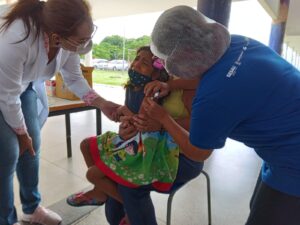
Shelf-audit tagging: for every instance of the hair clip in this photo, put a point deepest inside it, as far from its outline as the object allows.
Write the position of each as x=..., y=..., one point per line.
x=158, y=64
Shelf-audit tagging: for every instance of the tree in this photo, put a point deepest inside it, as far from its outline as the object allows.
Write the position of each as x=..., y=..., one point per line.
x=101, y=51
x=114, y=40
x=112, y=47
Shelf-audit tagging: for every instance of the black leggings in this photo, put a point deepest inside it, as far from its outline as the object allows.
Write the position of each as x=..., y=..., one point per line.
x=272, y=207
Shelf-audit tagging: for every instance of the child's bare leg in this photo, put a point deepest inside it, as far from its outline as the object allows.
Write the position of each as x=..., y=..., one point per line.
x=85, y=150
x=103, y=185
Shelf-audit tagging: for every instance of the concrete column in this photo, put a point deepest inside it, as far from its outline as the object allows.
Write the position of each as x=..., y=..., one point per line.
x=88, y=59
x=218, y=10
x=278, y=27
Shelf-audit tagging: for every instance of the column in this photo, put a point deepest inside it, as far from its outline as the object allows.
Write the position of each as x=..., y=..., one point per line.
x=278, y=27
x=88, y=59
x=218, y=10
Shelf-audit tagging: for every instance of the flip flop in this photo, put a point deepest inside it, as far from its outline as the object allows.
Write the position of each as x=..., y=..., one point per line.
x=80, y=199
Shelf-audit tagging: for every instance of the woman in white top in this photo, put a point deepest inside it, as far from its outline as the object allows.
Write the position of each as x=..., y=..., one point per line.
x=37, y=39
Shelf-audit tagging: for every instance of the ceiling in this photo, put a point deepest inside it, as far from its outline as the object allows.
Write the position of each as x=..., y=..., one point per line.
x=117, y=8
x=114, y=8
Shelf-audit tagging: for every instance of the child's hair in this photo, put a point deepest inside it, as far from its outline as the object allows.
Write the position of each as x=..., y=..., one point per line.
x=143, y=48
x=163, y=75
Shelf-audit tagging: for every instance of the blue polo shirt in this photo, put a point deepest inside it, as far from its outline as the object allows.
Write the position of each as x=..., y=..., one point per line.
x=252, y=95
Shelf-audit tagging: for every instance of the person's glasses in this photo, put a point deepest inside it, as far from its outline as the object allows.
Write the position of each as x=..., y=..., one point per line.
x=82, y=43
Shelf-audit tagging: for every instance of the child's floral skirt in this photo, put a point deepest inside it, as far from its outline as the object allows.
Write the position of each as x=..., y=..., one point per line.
x=147, y=158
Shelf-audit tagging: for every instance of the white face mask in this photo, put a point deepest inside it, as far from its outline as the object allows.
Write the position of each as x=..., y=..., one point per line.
x=84, y=48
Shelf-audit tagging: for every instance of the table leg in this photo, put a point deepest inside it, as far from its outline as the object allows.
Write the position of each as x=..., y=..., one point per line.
x=68, y=135
x=98, y=121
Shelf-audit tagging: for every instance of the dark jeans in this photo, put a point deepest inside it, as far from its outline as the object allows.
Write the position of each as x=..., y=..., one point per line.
x=137, y=201
x=272, y=207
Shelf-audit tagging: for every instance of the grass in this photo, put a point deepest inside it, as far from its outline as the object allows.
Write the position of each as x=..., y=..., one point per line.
x=118, y=78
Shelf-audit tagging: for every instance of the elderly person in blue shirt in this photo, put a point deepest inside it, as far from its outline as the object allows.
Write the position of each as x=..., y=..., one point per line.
x=248, y=93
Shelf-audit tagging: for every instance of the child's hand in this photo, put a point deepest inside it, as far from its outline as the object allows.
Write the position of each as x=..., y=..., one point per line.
x=125, y=120
x=156, y=87
x=126, y=129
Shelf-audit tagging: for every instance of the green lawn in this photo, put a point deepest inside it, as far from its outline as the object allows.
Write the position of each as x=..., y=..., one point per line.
x=110, y=77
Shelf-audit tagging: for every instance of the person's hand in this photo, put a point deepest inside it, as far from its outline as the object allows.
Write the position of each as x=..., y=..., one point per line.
x=144, y=123
x=156, y=86
x=123, y=111
x=126, y=129
x=153, y=110
x=109, y=109
x=25, y=143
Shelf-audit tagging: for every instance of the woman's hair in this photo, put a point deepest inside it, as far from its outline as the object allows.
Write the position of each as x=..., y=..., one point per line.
x=57, y=16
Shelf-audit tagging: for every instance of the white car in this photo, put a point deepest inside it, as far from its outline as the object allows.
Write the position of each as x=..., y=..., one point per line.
x=100, y=64
x=117, y=64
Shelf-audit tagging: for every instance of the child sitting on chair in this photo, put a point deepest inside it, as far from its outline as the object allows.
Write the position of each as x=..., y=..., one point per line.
x=146, y=157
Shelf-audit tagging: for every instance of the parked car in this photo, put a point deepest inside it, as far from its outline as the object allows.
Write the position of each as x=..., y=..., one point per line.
x=117, y=64
x=100, y=64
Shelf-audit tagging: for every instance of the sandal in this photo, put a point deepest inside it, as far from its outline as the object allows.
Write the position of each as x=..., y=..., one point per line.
x=80, y=199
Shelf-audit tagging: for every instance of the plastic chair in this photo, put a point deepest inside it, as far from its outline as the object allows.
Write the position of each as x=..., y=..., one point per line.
x=175, y=189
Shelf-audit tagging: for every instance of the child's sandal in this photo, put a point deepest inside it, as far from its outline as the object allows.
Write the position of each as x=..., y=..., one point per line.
x=80, y=199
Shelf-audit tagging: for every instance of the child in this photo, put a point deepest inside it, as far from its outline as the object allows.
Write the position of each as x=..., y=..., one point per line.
x=144, y=158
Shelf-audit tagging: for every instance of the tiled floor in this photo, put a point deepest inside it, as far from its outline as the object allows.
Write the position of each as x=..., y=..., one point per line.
x=233, y=171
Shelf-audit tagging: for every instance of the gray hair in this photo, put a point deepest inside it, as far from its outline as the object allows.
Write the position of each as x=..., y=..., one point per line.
x=188, y=42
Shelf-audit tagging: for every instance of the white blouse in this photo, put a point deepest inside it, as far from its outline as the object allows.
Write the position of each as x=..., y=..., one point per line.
x=25, y=62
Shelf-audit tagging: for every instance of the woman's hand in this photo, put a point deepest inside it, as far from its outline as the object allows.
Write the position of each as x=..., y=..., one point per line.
x=110, y=110
x=126, y=129
x=107, y=107
x=156, y=86
x=25, y=143
x=123, y=111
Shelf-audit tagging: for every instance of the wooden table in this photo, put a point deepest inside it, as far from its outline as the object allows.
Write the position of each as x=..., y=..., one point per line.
x=59, y=106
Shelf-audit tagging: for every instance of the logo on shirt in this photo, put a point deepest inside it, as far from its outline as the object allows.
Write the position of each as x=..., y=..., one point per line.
x=237, y=63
